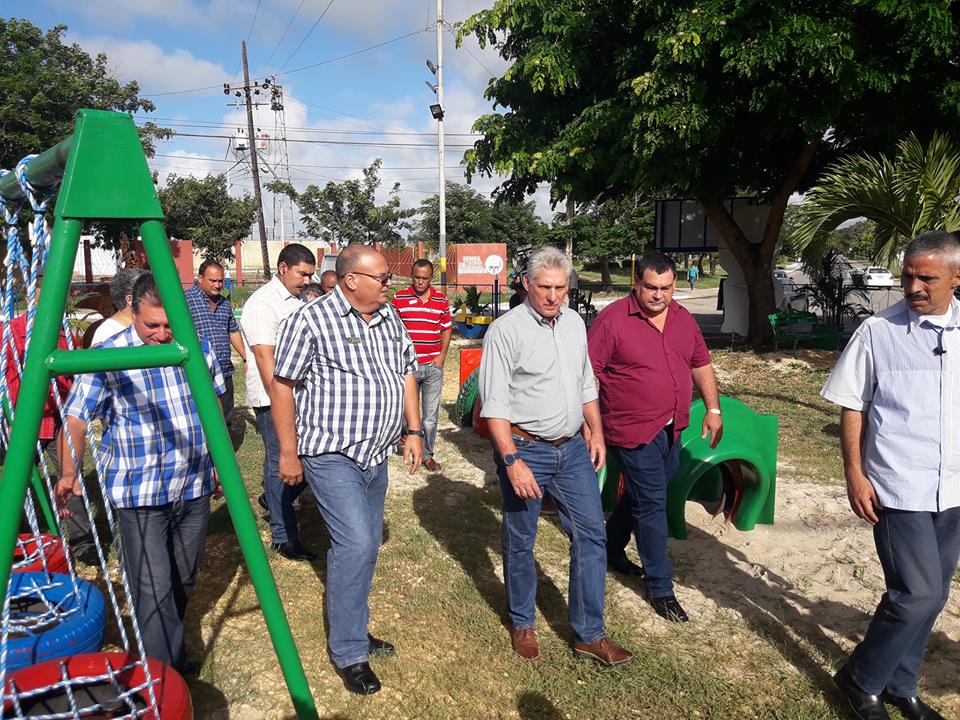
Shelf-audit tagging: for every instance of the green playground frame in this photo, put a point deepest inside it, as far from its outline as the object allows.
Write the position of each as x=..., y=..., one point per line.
x=105, y=176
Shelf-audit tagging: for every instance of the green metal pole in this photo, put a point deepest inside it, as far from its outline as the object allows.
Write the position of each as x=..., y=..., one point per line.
x=34, y=386
x=44, y=170
x=218, y=440
x=38, y=489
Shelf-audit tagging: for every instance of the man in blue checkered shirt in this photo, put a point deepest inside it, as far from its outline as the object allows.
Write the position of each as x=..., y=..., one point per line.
x=345, y=376
x=156, y=468
x=213, y=317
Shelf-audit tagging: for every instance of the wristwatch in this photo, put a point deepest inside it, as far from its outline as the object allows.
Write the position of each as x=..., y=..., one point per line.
x=510, y=458
x=418, y=433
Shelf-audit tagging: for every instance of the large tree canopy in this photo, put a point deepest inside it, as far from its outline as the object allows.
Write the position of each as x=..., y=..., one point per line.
x=202, y=211
x=709, y=99
x=43, y=83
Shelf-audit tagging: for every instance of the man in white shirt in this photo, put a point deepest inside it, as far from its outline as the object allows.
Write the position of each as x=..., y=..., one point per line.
x=263, y=314
x=898, y=384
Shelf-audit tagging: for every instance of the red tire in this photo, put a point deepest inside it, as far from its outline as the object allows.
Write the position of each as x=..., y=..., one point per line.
x=173, y=697
x=28, y=551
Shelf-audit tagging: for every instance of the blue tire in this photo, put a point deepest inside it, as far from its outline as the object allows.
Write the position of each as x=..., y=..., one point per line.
x=79, y=632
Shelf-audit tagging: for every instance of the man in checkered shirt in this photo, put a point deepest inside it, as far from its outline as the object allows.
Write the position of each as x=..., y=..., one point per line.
x=345, y=376
x=158, y=473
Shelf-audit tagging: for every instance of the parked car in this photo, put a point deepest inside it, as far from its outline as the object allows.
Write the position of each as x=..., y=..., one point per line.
x=879, y=277
x=780, y=275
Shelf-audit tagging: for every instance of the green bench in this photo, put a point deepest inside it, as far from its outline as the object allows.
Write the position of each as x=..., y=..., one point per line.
x=792, y=327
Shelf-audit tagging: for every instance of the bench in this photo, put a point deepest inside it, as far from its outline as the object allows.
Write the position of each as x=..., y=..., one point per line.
x=792, y=327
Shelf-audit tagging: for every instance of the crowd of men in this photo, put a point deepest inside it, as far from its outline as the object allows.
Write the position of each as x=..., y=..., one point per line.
x=336, y=374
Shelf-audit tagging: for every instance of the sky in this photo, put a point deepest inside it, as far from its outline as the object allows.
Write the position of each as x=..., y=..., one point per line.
x=352, y=72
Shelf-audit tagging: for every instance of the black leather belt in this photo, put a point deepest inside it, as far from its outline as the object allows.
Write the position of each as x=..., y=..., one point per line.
x=536, y=438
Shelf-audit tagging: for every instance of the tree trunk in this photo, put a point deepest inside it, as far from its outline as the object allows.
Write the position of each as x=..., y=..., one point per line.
x=713, y=263
x=605, y=280
x=700, y=264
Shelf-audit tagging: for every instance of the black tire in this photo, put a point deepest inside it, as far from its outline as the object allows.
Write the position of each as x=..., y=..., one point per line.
x=467, y=398
x=79, y=632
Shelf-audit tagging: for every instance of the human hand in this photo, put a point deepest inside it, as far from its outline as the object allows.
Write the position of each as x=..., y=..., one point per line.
x=597, y=449
x=523, y=482
x=413, y=452
x=863, y=497
x=438, y=361
x=66, y=488
x=290, y=470
x=712, y=426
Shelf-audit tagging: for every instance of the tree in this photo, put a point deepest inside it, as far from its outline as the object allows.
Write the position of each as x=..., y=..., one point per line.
x=43, y=83
x=473, y=218
x=914, y=191
x=709, y=100
x=347, y=212
x=201, y=210
x=612, y=228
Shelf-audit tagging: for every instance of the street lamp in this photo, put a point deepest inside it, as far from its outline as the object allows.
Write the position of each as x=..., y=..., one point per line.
x=437, y=111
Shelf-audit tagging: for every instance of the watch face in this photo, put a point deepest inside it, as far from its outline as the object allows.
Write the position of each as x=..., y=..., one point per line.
x=509, y=459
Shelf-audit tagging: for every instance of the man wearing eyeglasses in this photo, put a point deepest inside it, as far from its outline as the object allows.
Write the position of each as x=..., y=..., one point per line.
x=344, y=383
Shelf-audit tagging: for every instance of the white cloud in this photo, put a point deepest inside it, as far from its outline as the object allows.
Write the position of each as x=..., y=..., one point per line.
x=116, y=15
x=157, y=70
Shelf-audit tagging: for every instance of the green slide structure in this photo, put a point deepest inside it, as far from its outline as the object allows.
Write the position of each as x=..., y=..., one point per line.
x=467, y=398
x=738, y=477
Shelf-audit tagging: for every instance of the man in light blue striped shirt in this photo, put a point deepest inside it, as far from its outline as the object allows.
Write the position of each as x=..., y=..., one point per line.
x=898, y=382
x=344, y=379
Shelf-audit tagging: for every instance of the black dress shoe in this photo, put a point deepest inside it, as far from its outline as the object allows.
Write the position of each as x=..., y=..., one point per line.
x=669, y=608
x=262, y=502
x=380, y=647
x=624, y=565
x=294, y=551
x=861, y=705
x=912, y=708
x=359, y=678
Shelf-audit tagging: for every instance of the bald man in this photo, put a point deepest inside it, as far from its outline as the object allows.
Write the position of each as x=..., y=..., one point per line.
x=343, y=386
x=328, y=281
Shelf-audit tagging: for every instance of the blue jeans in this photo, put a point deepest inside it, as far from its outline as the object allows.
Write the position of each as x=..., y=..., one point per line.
x=567, y=474
x=280, y=497
x=647, y=470
x=351, y=502
x=429, y=385
x=918, y=552
x=162, y=549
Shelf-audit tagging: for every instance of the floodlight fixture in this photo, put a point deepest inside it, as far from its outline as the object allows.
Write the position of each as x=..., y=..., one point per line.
x=437, y=111
x=433, y=68
x=431, y=86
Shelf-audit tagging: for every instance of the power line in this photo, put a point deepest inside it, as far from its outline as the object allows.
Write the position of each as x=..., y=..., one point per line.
x=432, y=168
x=211, y=124
x=309, y=32
x=329, y=142
x=285, y=31
x=254, y=21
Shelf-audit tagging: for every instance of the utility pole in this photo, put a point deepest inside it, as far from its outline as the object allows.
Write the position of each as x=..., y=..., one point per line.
x=440, y=160
x=571, y=209
x=264, y=253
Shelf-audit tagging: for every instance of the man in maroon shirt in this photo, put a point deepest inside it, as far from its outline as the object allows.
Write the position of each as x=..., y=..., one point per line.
x=647, y=354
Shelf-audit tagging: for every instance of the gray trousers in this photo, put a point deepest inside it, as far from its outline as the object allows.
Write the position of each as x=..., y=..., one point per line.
x=429, y=385
x=918, y=552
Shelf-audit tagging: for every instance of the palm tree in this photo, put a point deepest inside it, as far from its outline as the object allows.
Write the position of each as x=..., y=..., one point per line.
x=914, y=192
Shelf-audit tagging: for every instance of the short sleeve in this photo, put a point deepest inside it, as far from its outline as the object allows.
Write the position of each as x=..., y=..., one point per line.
x=445, y=320
x=701, y=353
x=88, y=397
x=232, y=325
x=216, y=373
x=296, y=348
x=852, y=382
x=496, y=371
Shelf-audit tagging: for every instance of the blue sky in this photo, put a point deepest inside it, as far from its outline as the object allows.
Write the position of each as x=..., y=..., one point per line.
x=377, y=95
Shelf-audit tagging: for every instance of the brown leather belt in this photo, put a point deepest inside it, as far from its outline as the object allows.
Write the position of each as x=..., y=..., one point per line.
x=536, y=438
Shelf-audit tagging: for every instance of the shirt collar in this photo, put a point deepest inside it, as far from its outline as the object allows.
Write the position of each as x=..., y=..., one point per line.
x=915, y=320
x=203, y=296
x=634, y=308
x=540, y=319
x=344, y=307
x=281, y=289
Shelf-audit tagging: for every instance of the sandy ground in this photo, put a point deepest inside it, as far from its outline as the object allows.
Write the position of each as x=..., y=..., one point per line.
x=809, y=583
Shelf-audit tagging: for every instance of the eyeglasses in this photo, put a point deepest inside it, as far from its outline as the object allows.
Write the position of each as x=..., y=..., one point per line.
x=382, y=279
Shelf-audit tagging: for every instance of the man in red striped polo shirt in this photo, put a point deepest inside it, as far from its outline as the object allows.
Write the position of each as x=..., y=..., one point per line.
x=426, y=316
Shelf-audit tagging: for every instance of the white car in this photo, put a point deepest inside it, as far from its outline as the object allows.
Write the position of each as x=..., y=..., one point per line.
x=879, y=277
x=781, y=276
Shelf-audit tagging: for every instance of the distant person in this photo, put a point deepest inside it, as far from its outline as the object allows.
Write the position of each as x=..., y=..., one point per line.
x=214, y=319
x=158, y=473
x=263, y=314
x=312, y=292
x=693, y=272
x=121, y=287
x=328, y=280
x=425, y=314
x=648, y=353
x=898, y=386
x=344, y=386
x=538, y=391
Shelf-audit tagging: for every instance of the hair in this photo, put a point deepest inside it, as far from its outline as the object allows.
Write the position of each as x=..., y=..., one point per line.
x=658, y=262
x=122, y=285
x=422, y=263
x=548, y=258
x=294, y=254
x=350, y=257
x=935, y=242
x=315, y=289
x=325, y=273
x=207, y=264
x=145, y=288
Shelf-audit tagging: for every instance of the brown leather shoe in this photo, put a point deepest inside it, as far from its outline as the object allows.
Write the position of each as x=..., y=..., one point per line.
x=525, y=643
x=432, y=465
x=605, y=651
